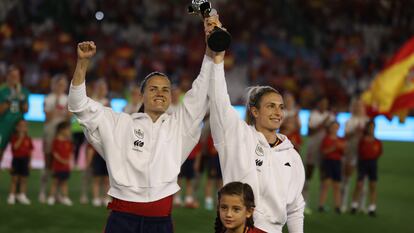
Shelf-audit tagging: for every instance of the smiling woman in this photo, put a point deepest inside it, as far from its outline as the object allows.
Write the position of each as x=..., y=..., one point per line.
x=156, y=93
x=143, y=151
x=253, y=152
x=264, y=110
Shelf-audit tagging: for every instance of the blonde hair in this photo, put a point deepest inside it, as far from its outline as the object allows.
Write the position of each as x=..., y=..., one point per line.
x=254, y=97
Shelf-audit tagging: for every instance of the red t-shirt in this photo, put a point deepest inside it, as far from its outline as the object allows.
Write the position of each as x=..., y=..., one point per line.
x=369, y=148
x=195, y=151
x=255, y=230
x=210, y=147
x=25, y=148
x=328, y=142
x=65, y=149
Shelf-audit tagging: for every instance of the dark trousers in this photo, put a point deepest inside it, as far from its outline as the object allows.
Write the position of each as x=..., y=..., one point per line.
x=119, y=222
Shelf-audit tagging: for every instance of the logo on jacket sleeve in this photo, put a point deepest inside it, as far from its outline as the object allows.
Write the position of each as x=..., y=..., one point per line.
x=259, y=150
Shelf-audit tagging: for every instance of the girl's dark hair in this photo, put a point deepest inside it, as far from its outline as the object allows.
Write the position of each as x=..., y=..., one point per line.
x=238, y=189
x=62, y=125
x=144, y=83
x=15, y=127
x=254, y=98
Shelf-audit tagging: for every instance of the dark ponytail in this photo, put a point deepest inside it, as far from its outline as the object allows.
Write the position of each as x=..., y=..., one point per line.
x=238, y=189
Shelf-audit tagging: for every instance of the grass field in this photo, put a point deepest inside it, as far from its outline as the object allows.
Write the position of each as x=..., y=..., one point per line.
x=395, y=206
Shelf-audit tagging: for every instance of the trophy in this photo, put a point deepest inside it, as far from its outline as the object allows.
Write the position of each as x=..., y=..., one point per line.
x=219, y=40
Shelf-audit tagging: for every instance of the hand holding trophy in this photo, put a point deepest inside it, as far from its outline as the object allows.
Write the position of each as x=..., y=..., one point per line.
x=218, y=40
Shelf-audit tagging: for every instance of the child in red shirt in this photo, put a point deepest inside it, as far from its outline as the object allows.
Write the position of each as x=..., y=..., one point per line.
x=100, y=179
x=214, y=175
x=369, y=150
x=292, y=131
x=190, y=167
x=332, y=149
x=22, y=147
x=62, y=151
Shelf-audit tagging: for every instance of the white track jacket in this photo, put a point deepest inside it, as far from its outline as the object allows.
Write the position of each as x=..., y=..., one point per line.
x=143, y=157
x=275, y=174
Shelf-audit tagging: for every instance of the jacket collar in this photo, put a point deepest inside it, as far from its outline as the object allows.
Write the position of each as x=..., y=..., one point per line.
x=285, y=145
x=142, y=115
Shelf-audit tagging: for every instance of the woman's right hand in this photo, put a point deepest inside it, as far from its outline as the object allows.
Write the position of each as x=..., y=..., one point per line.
x=86, y=50
x=209, y=24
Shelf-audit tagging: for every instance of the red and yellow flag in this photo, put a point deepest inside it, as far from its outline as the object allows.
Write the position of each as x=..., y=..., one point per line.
x=392, y=90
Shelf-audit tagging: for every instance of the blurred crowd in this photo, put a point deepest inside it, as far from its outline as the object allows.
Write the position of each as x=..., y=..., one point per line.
x=310, y=48
x=335, y=158
x=315, y=51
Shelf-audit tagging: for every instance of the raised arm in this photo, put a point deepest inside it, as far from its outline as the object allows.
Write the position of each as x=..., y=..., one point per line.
x=77, y=99
x=85, y=51
x=224, y=118
x=88, y=112
x=195, y=102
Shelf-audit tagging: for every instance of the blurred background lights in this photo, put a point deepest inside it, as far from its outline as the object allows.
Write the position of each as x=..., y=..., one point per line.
x=99, y=15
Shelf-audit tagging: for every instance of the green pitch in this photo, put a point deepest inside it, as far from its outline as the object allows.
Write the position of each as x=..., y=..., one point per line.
x=395, y=205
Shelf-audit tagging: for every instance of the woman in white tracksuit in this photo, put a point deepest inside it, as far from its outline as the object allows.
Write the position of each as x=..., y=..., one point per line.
x=254, y=153
x=143, y=151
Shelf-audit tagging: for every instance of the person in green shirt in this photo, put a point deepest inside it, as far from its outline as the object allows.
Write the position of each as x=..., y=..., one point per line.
x=13, y=104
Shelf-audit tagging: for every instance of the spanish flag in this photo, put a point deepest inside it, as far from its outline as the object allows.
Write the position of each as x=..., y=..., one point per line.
x=392, y=90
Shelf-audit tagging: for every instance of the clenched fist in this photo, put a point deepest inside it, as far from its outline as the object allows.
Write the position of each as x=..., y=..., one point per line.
x=86, y=49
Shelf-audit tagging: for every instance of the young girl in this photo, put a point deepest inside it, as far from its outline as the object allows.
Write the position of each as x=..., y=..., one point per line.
x=369, y=150
x=100, y=178
x=292, y=132
x=22, y=148
x=62, y=151
x=56, y=110
x=319, y=120
x=354, y=128
x=253, y=152
x=291, y=124
x=332, y=149
x=186, y=178
x=235, y=209
x=214, y=176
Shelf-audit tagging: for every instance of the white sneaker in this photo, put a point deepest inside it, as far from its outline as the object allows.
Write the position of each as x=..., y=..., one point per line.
x=51, y=200
x=22, y=199
x=66, y=201
x=42, y=198
x=11, y=200
x=177, y=201
x=96, y=202
x=209, y=203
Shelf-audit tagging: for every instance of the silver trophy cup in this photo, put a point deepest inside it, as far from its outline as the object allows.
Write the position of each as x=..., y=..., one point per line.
x=219, y=40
